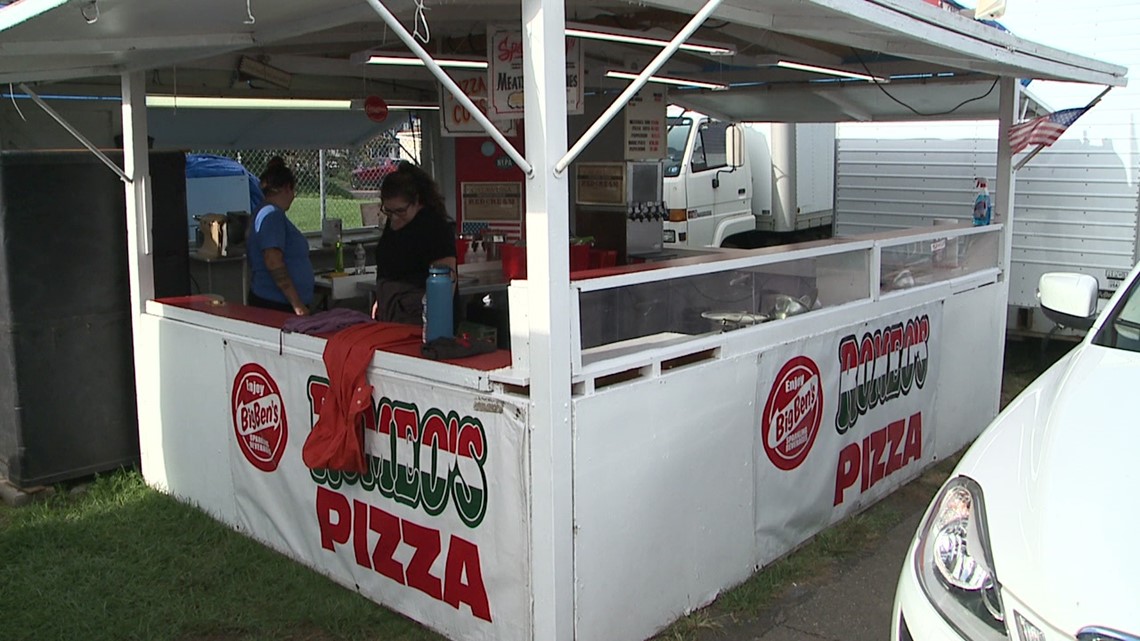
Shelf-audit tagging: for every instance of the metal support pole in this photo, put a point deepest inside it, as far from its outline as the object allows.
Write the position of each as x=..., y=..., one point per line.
x=620, y=102
x=548, y=311
x=1003, y=204
x=140, y=268
x=323, y=178
x=451, y=87
x=75, y=132
x=1003, y=212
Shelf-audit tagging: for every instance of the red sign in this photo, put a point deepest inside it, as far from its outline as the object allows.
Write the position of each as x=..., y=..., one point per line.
x=793, y=413
x=375, y=108
x=259, y=417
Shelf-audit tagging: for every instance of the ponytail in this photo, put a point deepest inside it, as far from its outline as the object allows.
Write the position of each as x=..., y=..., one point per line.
x=276, y=176
x=413, y=184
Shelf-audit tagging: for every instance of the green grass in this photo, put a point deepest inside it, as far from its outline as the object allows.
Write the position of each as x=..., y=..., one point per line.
x=123, y=561
x=306, y=212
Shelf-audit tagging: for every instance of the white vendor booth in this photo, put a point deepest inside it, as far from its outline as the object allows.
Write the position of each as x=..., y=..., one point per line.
x=657, y=432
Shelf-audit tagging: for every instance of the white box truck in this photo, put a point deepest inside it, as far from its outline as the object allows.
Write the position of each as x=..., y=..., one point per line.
x=783, y=191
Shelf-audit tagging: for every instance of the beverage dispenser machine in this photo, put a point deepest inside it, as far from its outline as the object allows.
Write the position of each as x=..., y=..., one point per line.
x=621, y=204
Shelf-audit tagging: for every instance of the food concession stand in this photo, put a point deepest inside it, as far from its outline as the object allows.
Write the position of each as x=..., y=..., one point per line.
x=657, y=432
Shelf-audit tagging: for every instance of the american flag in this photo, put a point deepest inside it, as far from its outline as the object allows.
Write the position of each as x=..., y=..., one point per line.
x=510, y=230
x=1044, y=130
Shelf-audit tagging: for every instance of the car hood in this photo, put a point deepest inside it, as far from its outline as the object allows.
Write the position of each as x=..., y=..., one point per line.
x=1060, y=475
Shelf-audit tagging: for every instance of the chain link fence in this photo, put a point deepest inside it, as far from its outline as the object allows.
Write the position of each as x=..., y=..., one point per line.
x=351, y=177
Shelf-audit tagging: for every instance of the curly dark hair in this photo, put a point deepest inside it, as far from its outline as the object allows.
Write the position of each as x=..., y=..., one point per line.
x=276, y=176
x=413, y=185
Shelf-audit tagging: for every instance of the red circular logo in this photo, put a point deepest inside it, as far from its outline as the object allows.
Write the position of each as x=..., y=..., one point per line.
x=793, y=413
x=375, y=108
x=259, y=417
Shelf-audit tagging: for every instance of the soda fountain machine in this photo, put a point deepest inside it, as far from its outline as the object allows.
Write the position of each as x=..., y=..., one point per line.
x=621, y=205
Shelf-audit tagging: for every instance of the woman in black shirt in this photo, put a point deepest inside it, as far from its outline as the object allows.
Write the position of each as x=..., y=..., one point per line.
x=417, y=235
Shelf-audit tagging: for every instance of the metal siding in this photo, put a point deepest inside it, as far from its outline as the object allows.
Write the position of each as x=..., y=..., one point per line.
x=1076, y=208
x=1076, y=202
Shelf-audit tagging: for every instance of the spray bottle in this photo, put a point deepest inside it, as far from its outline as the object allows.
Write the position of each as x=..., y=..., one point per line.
x=983, y=206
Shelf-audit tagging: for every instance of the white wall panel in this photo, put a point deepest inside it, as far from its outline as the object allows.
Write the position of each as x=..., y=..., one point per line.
x=183, y=440
x=663, y=508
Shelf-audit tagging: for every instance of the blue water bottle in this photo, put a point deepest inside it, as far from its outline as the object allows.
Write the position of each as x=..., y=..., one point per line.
x=438, y=312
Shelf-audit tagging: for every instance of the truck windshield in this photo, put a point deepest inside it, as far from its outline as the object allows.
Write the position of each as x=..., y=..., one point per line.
x=676, y=137
x=1122, y=329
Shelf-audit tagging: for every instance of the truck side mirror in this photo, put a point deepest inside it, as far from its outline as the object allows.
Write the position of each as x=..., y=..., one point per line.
x=1068, y=299
x=734, y=146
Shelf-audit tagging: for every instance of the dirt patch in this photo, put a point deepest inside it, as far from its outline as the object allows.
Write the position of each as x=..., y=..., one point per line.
x=1025, y=360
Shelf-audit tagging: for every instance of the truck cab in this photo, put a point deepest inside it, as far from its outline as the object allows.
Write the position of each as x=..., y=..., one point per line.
x=780, y=191
x=708, y=200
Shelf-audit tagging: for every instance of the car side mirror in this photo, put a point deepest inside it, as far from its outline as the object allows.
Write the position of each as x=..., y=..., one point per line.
x=734, y=146
x=1068, y=299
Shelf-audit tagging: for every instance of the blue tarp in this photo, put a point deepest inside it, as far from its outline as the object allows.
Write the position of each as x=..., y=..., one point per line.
x=208, y=165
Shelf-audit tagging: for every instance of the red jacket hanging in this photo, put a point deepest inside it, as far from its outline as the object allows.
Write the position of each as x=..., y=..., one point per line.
x=337, y=440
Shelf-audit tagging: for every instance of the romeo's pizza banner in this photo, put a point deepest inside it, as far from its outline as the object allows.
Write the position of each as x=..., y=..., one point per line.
x=437, y=526
x=841, y=421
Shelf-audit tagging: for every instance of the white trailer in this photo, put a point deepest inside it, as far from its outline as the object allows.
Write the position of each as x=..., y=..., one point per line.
x=781, y=194
x=1076, y=205
x=1077, y=202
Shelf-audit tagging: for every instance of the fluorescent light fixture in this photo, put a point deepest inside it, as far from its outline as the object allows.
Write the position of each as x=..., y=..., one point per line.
x=665, y=80
x=592, y=33
x=206, y=102
x=357, y=104
x=312, y=104
x=261, y=71
x=420, y=107
x=411, y=61
x=24, y=10
x=831, y=72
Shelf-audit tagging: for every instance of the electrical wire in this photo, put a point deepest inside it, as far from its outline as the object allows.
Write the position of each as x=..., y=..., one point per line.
x=12, y=95
x=912, y=109
x=421, y=21
x=249, y=12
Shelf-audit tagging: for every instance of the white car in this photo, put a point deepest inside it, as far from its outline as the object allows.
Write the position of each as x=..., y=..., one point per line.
x=1036, y=535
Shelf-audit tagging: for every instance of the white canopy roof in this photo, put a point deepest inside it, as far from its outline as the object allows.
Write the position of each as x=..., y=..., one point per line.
x=936, y=59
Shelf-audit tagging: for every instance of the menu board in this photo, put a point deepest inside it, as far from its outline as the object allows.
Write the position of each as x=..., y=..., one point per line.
x=645, y=125
x=505, y=74
x=457, y=120
x=601, y=183
x=492, y=201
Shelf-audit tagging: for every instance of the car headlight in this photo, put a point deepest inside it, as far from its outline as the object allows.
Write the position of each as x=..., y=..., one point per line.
x=955, y=566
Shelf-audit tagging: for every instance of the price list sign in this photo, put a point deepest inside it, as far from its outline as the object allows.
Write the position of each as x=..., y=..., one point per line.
x=645, y=125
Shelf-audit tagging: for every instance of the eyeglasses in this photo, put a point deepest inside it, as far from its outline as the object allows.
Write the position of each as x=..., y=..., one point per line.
x=397, y=211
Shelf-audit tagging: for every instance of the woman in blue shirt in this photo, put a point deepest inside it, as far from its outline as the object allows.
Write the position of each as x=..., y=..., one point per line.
x=281, y=276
